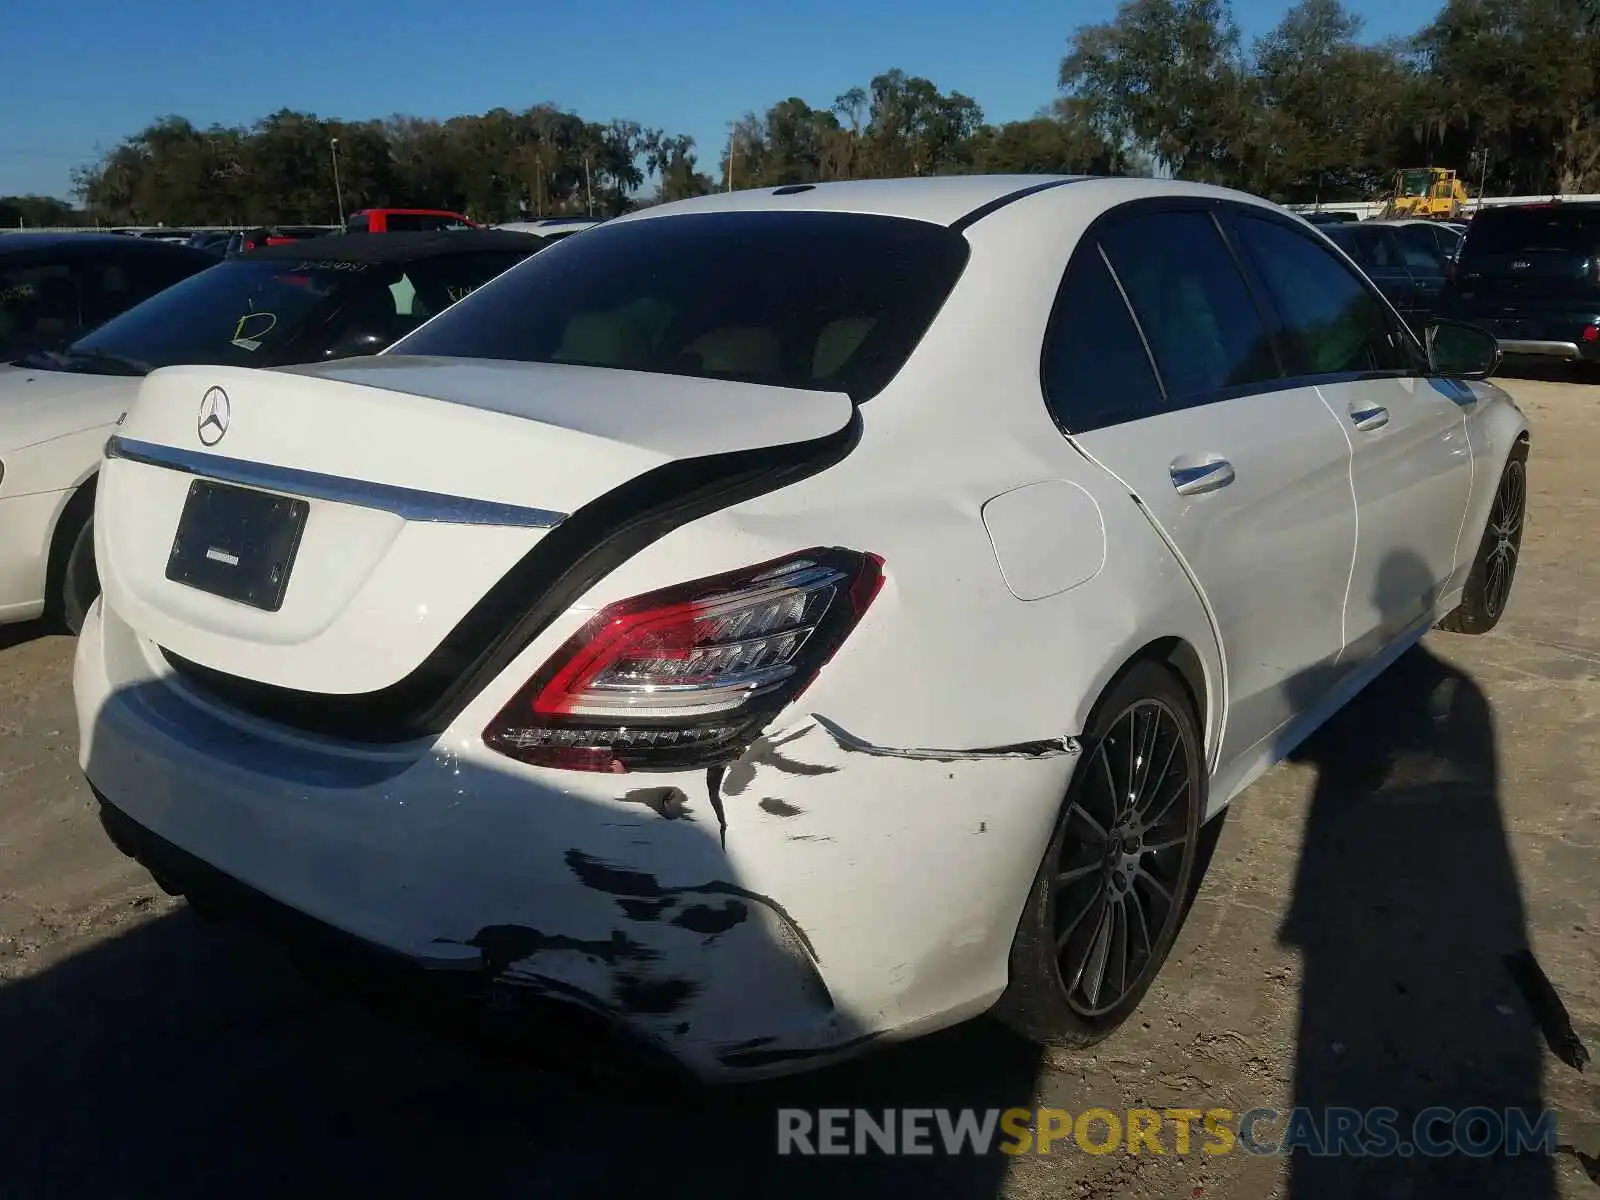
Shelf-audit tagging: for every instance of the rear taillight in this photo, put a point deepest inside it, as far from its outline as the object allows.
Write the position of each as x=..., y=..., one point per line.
x=1591, y=334
x=688, y=676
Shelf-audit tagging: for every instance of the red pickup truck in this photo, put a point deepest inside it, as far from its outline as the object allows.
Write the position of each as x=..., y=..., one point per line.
x=406, y=220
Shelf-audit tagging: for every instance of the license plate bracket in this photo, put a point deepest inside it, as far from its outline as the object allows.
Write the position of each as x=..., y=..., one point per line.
x=237, y=543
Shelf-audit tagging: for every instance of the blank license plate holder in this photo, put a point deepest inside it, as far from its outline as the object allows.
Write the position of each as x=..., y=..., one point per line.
x=237, y=543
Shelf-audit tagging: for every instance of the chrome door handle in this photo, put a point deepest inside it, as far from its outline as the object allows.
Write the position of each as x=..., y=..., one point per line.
x=1367, y=419
x=1206, y=477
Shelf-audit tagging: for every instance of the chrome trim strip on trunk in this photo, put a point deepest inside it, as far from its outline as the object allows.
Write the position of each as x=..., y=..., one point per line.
x=1563, y=350
x=408, y=503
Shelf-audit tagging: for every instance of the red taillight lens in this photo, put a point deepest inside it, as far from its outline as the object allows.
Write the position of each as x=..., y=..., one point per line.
x=689, y=675
x=1591, y=334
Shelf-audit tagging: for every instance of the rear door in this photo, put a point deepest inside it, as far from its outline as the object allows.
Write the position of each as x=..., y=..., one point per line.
x=1419, y=246
x=1411, y=465
x=1245, y=476
x=1376, y=251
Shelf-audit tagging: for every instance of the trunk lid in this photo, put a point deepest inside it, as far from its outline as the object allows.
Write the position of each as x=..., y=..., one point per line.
x=423, y=482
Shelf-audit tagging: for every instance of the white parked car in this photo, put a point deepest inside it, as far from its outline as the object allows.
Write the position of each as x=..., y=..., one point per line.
x=327, y=298
x=551, y=228
x=790, y=619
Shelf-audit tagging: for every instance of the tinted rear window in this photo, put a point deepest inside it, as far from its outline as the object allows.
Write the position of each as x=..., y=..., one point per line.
x=824, y=301
x=1520, y=230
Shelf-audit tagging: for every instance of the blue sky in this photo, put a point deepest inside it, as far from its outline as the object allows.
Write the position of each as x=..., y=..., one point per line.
x=77, y=78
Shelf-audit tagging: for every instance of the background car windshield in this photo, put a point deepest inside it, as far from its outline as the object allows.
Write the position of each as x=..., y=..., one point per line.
x=265, y=312
x=1516, y=230
x=824, y=301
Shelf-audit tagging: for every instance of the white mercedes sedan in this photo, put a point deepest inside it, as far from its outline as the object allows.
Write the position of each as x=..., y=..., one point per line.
x=789, y=620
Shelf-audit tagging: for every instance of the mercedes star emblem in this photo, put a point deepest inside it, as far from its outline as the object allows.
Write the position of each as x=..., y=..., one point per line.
x=215, y=413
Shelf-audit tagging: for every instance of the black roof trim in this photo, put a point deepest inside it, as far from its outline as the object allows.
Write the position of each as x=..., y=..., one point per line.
x=999, y=202
x=394, y=247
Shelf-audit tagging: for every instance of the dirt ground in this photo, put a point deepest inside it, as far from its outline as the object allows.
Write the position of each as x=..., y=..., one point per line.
x=1348, y=947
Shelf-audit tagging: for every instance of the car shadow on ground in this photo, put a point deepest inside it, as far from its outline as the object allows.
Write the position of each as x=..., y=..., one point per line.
x=1548, y=370
x=1406, y=911
x=26, y=631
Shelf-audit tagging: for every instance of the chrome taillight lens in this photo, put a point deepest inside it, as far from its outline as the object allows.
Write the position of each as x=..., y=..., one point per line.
x=689, y=675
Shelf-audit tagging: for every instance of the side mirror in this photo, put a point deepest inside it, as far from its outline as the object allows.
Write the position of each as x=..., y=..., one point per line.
x=355, y=344
x=1457, y=350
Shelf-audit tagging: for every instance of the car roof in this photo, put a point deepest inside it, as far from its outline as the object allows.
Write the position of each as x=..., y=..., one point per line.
x=398, y=247
x=1546, y=206
x=951, y=200
x=18, y=242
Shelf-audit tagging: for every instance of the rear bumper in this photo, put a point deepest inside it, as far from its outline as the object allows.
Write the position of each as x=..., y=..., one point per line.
x=852, y=895
x=1556, y=334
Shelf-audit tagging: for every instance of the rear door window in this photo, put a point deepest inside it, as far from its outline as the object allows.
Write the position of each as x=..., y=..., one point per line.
x=39, y=307
x=1375, y=249
x=1096, y=369
x=1192, y=302
x=1420, y=249
x=116, y=283
x=817, y=300
x=1333, y=324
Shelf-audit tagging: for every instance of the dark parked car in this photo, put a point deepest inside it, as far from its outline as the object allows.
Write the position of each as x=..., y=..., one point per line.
x=1530, y=274
x=328, y=297
x=55, y=287
x=1324, y=217
x=1410, y=270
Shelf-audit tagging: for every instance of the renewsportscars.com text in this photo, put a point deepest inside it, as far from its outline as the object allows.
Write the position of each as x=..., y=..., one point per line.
x=1334, y=1132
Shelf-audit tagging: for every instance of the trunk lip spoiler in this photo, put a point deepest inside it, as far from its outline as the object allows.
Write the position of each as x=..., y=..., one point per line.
x=410, y=504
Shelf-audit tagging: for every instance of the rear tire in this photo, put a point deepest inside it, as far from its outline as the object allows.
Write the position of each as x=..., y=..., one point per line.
x=1494, y=569
x=80, y=580
x=1114, y=886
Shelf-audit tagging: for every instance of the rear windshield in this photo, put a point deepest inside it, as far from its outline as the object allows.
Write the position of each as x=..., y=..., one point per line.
x=252, y=312
x=824, y=301
x=1531, y=229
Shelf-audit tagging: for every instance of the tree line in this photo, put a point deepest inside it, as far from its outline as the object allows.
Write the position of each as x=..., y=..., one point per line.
x=1507, y=92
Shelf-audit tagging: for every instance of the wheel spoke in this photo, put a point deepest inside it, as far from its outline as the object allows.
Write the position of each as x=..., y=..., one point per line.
x=1165, y=844
x=1140, y=923
x=1150, y=822
x=1073, y=874
x=1072, y=926
x=1156, y=885
x=1147, y=752
x=1095, y=827
x=1119, y=948
x=1092, y=973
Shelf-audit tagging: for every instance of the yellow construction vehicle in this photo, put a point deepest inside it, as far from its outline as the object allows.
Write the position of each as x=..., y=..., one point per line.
x=1430, y=192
